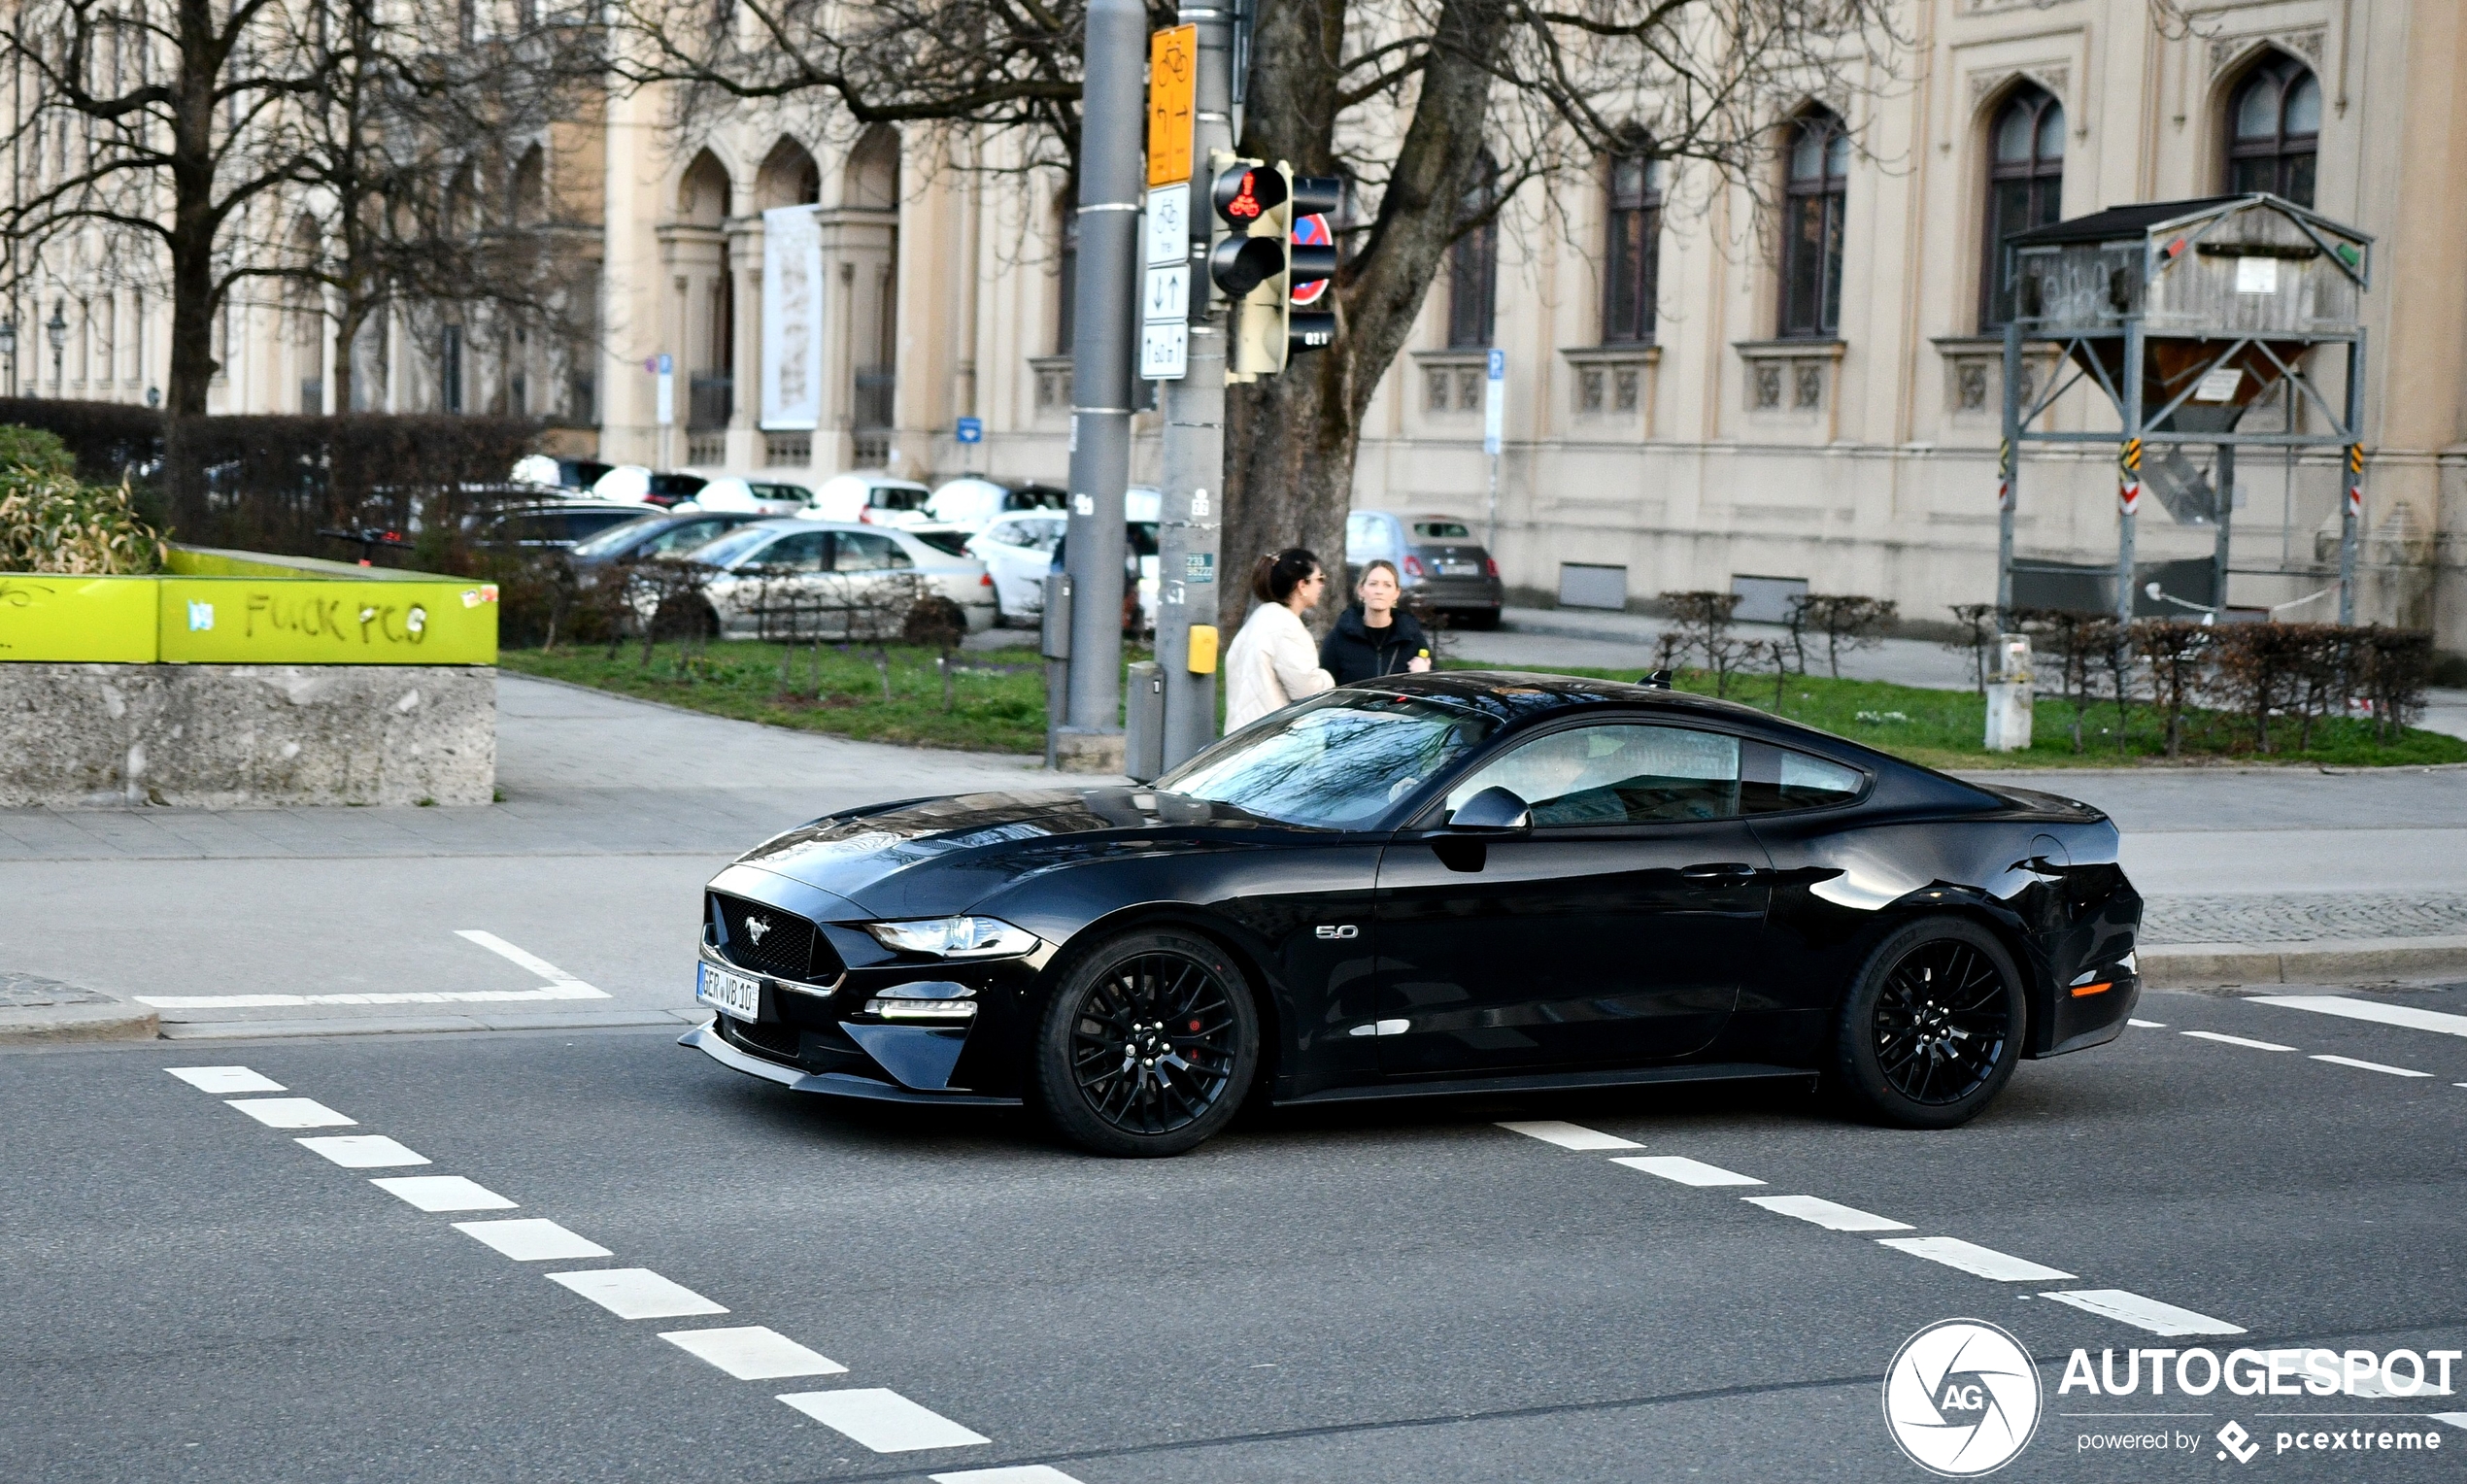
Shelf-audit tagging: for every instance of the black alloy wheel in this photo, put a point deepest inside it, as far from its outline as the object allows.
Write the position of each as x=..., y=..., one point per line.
x=1148, y=1045
x=1931, y=1029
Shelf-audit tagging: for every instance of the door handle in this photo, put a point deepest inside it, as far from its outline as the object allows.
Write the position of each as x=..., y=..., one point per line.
x=1719, y=870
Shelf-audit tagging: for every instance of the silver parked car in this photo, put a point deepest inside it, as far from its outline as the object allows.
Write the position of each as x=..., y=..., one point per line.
x=1437, y=558
x=795, y=578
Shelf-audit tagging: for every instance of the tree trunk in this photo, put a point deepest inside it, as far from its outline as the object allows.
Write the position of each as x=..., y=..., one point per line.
x=195, y=216
x=1291, y=439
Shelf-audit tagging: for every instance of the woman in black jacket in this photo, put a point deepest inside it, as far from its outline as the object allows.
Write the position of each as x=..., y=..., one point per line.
x=1374, y=637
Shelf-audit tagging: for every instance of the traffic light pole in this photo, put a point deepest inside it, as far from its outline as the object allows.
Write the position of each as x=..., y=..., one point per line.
x=1189, y=539
x=1113, y=117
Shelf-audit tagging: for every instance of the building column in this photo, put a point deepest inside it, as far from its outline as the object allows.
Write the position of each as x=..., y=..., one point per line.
x=744, y=259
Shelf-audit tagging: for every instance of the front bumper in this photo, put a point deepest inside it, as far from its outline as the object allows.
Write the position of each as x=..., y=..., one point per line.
x=709, y=1040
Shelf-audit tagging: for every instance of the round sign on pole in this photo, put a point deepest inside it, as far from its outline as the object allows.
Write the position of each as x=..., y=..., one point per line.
x=1312, y=231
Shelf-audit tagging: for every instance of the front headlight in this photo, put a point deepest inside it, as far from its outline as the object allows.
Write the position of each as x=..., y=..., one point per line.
x=955, y=937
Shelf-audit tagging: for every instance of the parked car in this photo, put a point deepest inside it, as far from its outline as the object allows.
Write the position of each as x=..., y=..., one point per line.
x=553, y=526
x=660, y=533
x=1458, y=883
x=806, y=579
x=953, y=539
x=869, y=497
x=637, y=484
x=764, y=493
x=976, y=502
x=555, y=473
x=1021, y=549
x=1437, y=558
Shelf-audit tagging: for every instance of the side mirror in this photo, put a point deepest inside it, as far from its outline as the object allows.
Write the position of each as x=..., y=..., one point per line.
x=1494, y=810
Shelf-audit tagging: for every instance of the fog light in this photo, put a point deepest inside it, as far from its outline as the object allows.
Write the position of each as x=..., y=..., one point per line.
x=944, y=1010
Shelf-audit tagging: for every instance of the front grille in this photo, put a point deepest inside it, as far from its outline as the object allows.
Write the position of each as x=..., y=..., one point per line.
x=770, y=941
x=779, y=1040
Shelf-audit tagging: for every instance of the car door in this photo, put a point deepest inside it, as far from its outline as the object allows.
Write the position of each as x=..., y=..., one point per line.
x=873, y=584
x=778, y=593
x=1001, y=549
x=1614, y=930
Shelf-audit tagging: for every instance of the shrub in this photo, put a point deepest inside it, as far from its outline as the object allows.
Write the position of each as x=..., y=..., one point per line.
x=50, y=521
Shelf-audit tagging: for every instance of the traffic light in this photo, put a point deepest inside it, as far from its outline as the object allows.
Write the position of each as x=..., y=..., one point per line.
x=1259, y=264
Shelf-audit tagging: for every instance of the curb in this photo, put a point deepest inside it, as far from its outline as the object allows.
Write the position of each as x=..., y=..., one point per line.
x=44, y=1024
x=2172, y=966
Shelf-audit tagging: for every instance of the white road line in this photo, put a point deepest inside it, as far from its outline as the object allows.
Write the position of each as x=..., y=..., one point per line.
x=405, y=997
x=637, y=1293
x=883, y=1420
x=507, y=950
x=1686, y=1171
x=2370, y=1066
x=1826, y=1214
x=1570, y=1135
x=1972, y=1257
x=2455, y=1419
x=289, y=1112
x=225, y=1079
x=2368, y=1010
x=532, y=1239
x=2145, y=1313
x=1025, y=1473
x=444, y=1193
x=753, y=1353
x=2148, y=1024
x=362, y=1151
x=2235, y=1040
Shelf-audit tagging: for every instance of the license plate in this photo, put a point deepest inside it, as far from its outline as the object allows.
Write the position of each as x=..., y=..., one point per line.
x=731, y=995
x=1459, y=569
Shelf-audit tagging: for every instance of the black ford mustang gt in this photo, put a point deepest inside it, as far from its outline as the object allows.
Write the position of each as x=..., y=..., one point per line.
x=1444, y=883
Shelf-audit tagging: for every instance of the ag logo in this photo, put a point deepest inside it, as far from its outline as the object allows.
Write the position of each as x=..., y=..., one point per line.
x=1962, y=1397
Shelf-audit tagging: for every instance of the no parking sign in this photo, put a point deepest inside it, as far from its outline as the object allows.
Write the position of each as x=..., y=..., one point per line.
x=1312, y=231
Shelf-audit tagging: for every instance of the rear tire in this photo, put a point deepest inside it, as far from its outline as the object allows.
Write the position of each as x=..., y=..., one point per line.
x=1148, y=1045
x=1932, y=1027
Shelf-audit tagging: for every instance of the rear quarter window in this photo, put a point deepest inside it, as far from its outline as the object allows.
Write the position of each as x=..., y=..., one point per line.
x=1780, y=779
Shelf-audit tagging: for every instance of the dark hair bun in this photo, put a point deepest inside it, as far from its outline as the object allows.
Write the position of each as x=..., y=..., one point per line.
x=1274, y=578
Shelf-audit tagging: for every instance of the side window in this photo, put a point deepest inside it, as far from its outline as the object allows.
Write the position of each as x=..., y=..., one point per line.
x=802, y=552
x=1362, y=538
x=1618, y=775
x=1780, y=779
x=865, y=552
x=1008, y=533
x=1047, y=536
x=683, y=536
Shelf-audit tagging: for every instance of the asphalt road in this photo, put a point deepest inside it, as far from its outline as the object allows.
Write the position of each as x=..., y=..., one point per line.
x=1409, y=1293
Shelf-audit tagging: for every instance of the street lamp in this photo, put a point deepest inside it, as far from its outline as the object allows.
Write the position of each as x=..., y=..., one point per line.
x=57, y=329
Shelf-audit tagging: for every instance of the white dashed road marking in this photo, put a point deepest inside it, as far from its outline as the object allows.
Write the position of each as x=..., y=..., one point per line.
x=1570, y=1135
x=2145, y=1313
x=1686, y=1171
x=444, y=1193
x=2367, y=1010
x=407, y=997
x=2148, y=1025
x=225, y=1079
x=2455, y=1419
x=637, y=1293
x=883, y=1420
x=362, y=1151
x=1826, y=1214
x=753, y=1353
x=290, y=1112
x=1970, y=1258
x=2235, y=1040
x=1034, y=1473
x=532, y=1239
x=2370, y=1066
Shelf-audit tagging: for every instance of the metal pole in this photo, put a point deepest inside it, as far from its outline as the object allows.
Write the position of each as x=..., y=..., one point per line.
x=1492, y=540
x=2008, y=463
x=2351, y=482
x=2223, y=481
x=1113, y=117
x=2131, y=389
x=1190, y=540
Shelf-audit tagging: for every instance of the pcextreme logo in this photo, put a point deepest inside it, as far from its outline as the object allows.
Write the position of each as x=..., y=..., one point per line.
x=1962, y=1397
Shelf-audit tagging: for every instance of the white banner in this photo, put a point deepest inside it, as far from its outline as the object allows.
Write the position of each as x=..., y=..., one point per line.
x=792, y=317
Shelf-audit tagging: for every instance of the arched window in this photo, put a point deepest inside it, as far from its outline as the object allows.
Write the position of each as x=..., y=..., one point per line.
x=1629, y=260
x=1813, y=192
x=2275, y=130
x=702, y=195
x=1472, y=267
x=873, y=170
x=2025, y=189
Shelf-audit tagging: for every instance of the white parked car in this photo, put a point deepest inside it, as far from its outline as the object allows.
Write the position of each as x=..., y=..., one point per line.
x=869, y=497
x=831, y=580
x=765, y=493
x=1018, y=551
x=976, y=502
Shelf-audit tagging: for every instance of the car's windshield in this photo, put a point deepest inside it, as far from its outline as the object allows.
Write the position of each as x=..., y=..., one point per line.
x=952, y=543
x=1441, y=530
x=615, y=536
x=729, y=548
x=1336, y=763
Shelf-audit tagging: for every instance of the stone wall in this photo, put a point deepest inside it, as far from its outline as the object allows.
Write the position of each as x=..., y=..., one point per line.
x=218, y=736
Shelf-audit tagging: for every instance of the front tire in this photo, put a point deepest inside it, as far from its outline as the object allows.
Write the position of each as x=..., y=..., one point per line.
x=1148, y=1045
x=1932, y=1027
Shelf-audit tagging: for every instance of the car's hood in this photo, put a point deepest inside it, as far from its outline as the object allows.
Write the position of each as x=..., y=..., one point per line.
x=927, y=856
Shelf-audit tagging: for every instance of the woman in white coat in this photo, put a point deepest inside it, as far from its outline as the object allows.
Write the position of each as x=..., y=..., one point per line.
x=1273, y=663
